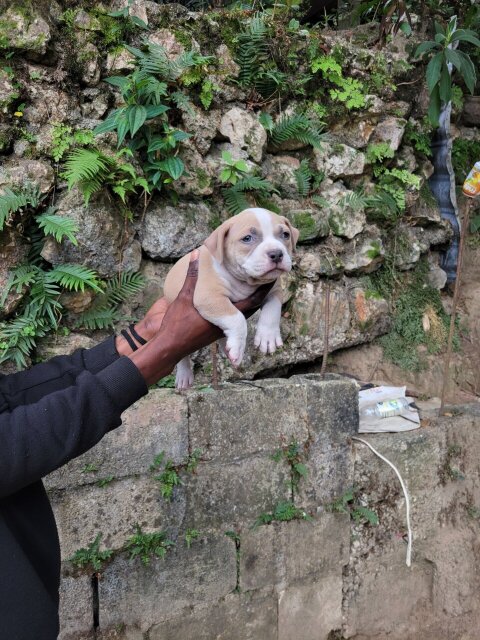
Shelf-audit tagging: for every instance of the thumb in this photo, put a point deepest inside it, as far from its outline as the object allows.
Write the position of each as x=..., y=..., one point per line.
x=191, y=277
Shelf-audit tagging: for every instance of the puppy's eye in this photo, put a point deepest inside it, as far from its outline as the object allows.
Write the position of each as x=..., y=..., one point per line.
x=285, y=235
x=247, y=239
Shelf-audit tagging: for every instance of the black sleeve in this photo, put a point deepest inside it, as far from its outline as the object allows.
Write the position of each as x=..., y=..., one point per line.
x=37, y=438
x=26, y=387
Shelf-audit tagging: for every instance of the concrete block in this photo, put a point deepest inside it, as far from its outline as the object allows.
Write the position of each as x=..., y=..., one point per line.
x=113, y=511
x=238, y=616
x=311, y=611
x=157, y=422
x=330, y=474
x=144, y=595
x=288, y=552
x=226, y=496
x=332, y=406
x=120, y=632
x=249, y=418
x=390, y=597
x=76, y=608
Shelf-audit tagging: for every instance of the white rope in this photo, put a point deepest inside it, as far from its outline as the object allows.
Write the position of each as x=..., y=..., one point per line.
x=407, y=500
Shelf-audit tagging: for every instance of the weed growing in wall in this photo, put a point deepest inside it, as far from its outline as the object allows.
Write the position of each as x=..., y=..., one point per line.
x=91, y=557
x=351, y=504
x=147, y=546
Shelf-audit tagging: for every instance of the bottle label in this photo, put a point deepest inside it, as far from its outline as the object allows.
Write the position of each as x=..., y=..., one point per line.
x=471, y=186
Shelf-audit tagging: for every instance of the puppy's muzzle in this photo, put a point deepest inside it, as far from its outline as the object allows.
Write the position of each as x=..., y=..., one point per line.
x=276, y=255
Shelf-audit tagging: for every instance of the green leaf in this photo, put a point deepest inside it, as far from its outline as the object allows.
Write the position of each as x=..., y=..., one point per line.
x=266, y=121
x=155, y=110
x=118, y=81
x=173, y=166
x=122, y=128
x=139, y=22
x=110, y=123
x=136, y=118
x=301, y=469
x=439, y=38
x=433, y=71
x=475, y=224
x=434, y=107
x=74, y=277
x=445, y=86
x=439, y=28
x=465, y=35
x=454, y=57
x=468, y=72
x=58, y=226
x=425, y=46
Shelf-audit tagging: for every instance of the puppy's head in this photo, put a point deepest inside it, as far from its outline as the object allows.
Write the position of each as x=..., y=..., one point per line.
x=255, y=246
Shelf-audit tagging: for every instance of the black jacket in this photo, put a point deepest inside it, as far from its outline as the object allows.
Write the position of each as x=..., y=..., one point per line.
x=48, y=415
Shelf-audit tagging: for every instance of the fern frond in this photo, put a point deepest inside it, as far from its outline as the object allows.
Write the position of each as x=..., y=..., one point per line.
x=303, y=176
x=58, y=226
x=354, y=201
x=123, y=287
x=74, y=277
x=320, y=201
x=296, y=127
x=98, y=318
x=88, y=168
x=11, y=202
x=252, y=50
x=182, y=102
x=254, y=183
x=235, y=201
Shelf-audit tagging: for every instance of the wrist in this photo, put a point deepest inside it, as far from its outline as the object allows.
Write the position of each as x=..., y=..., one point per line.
x=155, y=360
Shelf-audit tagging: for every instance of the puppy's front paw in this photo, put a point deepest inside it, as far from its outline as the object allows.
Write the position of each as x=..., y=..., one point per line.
x=235, y=348
x=267, y=339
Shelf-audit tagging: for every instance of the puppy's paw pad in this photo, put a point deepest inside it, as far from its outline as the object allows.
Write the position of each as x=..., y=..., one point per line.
x=235, y=351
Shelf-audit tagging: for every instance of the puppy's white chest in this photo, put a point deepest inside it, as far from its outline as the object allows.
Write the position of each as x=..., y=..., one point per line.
x=236, y=289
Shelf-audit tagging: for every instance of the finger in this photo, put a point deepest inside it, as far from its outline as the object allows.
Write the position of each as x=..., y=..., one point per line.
x=191, y=277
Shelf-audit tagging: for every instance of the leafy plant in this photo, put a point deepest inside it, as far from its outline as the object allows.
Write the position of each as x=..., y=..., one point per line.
x=349, y=91
x=234, y=169
x=294, y=455
x=259, y=188
x=442, y=54
x=284, y=512
x=349, y=503
x=378, y=152
x=91, y=556
x=419, y=136
x=295, y=127
x=169, y=477
x=303, y=176
x=190, y=536
x=147, y=546
x=12, y=202
x=65, y=138
x=92, y=170
x=104, y=314
x=103, y=482
x=125, y=13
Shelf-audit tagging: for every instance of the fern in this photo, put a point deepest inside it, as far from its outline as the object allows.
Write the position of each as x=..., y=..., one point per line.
x=87, y=168
x=354, y=201
x=235, y=199
x=11, y=202
x=303, y=176
x=296, y=127
x=252, y=51
x=103, y=314
x=74, y=277
x=57, y=226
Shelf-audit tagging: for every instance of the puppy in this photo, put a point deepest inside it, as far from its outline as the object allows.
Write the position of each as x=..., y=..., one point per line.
x=248, y=250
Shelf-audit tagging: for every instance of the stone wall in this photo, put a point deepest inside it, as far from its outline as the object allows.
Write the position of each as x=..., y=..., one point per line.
x=321, y=579
x=57, y=78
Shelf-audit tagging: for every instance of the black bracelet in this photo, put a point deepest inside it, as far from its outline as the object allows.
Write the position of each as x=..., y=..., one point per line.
x=138, y=338
x=129, y=339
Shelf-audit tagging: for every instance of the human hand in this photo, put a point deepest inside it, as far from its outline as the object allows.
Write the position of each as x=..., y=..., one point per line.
x=182, y=329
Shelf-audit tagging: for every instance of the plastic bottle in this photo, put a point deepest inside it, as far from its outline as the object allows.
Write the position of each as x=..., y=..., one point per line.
x=471, y=186
x=387, y=409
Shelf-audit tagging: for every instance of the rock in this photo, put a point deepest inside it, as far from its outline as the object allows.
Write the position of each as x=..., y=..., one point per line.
x=8, y=93
x=136, y=8
x=94, y=103
x=436, y=277
x=167, y=40
x=337, y=160
x=425, y=210
x=406, y=159
x=101, y=235
x=407, y=248
x=47, y=105
x=322, y=260
x=77, y=301
x=89, y=58
x=86, y=22
x=19, y=172
x=120, y=61
x=6, y=138
x=244, y=131
x=20, y=33
x=58, y=345
x=226, y=65
x=203, y=126
x=389, y=130
x=169, y=232
x=311, y=221
x=365, y=252
x=196, y=180
x=280, y=171
x=344, y=220
x=13, y=251
x=471, y=110
x=354, y=134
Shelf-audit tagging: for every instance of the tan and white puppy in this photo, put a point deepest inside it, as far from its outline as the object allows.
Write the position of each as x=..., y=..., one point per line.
x=248, y=250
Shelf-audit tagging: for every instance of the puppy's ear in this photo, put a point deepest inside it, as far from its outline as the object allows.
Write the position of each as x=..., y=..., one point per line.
x=294, y=233
x=215, y=242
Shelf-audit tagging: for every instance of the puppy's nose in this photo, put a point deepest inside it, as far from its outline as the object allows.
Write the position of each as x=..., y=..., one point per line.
x=276, y=255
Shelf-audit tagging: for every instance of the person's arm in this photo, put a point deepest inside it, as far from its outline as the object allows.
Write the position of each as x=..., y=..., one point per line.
x=37, y=438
